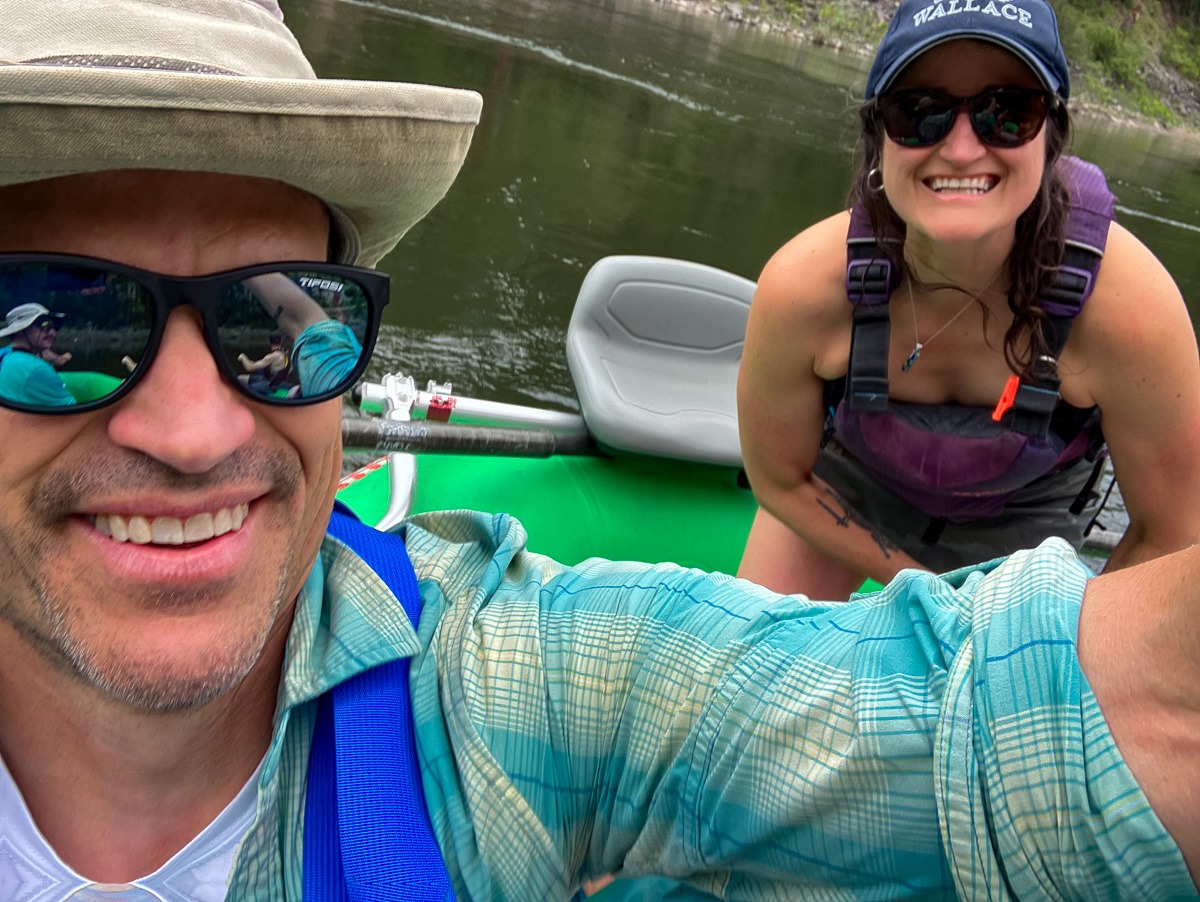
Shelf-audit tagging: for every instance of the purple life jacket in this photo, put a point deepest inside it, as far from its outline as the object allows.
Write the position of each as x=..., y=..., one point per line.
x=956, y=462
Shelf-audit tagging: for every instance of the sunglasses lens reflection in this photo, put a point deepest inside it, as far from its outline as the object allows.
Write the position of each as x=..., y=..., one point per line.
x=294, y=334
x=1001, y=117
x=282, y=337
x=98, y=319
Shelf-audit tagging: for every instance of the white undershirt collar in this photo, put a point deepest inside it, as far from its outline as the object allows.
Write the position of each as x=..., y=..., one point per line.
x=31, y=871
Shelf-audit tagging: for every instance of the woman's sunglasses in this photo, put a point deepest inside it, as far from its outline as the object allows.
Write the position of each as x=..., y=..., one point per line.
x=111, y=318
x=1001, y=117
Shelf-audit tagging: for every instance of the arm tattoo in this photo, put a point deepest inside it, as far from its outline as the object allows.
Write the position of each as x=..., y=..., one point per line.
x=844, y=515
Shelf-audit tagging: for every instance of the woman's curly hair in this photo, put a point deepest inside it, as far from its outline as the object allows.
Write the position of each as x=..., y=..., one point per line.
x=1040, y=231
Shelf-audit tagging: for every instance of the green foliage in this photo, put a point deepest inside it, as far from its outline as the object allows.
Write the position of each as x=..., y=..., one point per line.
x=1181, y=50
x=791, y=9
x=1120, y=58
x=838, y=21
x=1121, y=51
x=850, y=20
x=1182, y=11
x=1153, y=108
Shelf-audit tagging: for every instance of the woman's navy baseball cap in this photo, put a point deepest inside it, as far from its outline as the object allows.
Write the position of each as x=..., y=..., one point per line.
x=1028, y=28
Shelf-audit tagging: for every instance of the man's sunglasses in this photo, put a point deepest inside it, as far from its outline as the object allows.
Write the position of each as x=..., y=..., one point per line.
x=111, y=318
x=1001, y=117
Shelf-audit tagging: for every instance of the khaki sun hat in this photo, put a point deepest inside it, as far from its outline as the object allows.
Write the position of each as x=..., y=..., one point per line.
x=221, y=86
x=23, y=316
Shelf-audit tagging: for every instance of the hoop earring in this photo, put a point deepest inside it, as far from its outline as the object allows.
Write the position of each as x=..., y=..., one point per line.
x=874, y=189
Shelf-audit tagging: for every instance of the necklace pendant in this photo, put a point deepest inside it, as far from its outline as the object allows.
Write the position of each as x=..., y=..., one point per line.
x=912, y=358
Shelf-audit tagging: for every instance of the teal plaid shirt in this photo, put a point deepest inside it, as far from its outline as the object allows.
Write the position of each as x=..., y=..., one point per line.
x=933, y=737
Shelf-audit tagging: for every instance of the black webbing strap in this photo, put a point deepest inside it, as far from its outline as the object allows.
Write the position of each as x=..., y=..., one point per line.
x=1032, y=408
x=1087, y=492
x=1089, y=215
x=867, y=376
x=870, y=280
x=1062, y=300
x=933, y=530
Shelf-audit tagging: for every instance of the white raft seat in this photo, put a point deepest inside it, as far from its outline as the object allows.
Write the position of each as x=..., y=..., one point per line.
x=653, y=347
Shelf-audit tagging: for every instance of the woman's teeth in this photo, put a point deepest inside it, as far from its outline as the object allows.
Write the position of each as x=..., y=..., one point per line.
x=170, y=530
x=962, y=186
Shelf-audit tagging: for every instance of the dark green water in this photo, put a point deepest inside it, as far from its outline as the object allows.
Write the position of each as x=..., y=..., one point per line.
x=621, y=126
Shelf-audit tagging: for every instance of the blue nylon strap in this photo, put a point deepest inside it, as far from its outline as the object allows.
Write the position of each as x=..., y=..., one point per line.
x=367, y=835
x=324, y=879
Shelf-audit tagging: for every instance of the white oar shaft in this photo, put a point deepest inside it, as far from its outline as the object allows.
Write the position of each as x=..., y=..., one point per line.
x=479, y=412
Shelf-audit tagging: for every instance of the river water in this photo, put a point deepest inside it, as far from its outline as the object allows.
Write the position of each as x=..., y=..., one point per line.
x=623, y=126
x=628, y=127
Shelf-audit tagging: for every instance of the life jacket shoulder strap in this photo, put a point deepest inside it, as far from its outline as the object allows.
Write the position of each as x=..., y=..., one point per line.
x=1089, y=214
x=367, y=834
x=870, y=280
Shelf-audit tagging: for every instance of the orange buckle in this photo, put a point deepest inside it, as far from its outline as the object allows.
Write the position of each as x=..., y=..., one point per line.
x=1006, y=397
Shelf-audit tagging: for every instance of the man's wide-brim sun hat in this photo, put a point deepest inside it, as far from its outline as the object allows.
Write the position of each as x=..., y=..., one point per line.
x=23, y=316
x=1027, y=28
x=222, y=86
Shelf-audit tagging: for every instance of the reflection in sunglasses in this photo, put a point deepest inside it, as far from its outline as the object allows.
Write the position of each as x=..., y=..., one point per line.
x=282, y=333
x=1002, y=117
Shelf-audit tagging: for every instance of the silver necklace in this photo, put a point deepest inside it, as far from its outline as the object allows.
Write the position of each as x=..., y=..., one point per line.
x=915, y=354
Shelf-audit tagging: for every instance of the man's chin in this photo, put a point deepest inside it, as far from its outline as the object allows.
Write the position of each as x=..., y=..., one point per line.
x=175, y=667
x=165, y=693
x=168, y=682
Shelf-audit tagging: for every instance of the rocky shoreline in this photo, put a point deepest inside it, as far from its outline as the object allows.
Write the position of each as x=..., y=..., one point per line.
x=753, y=15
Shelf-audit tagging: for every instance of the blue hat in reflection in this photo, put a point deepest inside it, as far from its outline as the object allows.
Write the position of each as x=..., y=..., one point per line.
x=1027, y=28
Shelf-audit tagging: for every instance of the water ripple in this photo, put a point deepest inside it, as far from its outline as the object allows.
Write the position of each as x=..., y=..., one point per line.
x=550, y=53
x=1129, y=211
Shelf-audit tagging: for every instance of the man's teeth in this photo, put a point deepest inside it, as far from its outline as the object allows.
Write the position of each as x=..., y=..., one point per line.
x=170, y=530
x=968, y=186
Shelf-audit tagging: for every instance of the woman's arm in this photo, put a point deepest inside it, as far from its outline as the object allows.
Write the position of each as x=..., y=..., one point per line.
x=292, y=309
x=1135, y=354
x=797, y=331
x=273, y=359
x=1134, y=351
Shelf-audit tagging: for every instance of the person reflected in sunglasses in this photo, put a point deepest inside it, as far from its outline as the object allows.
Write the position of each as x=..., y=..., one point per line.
x=27, y=362
x=118, y=331
x=988, y=345
x=267, y=373
x=308, y=310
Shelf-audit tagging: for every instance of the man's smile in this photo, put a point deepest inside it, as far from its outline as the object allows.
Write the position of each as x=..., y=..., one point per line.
x=142, y=530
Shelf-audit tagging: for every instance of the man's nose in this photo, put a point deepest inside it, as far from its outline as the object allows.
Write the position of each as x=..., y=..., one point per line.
x=182, y=412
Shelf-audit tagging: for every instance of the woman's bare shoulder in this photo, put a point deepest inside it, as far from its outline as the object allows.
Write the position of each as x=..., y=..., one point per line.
x=809, y=272
x=1135, y=301
x=1135, y=326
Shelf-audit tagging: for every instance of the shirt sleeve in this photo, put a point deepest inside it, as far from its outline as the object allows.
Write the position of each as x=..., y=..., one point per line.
x=30, y=380
x=1035, y=799
x=45, y=387
x=574, y=722
x=618, y=717
x=323, y=355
